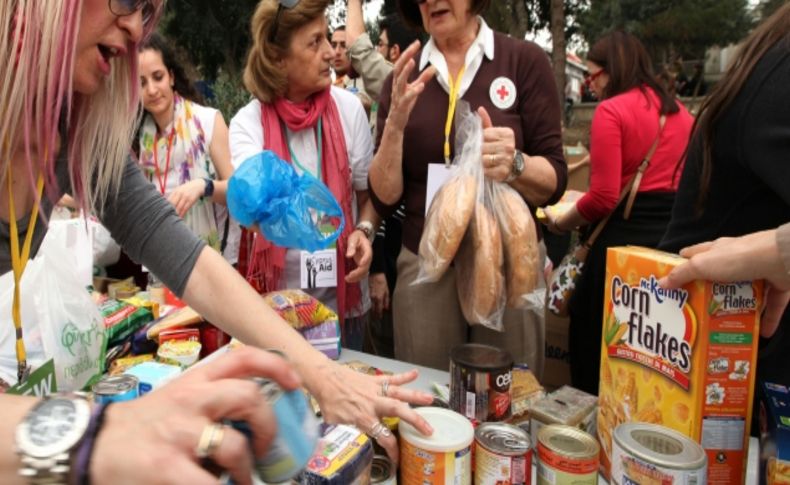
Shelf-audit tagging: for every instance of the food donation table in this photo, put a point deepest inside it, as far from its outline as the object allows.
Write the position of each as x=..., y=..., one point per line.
x=429, y=376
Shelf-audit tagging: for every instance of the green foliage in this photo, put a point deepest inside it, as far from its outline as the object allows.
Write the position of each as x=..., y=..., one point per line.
x=517, y=17
x=670, y=28
x=768, y=7
x=229, y=95
x=215, y=32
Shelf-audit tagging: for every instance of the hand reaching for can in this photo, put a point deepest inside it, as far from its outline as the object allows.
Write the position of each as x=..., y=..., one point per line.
x=164, y=436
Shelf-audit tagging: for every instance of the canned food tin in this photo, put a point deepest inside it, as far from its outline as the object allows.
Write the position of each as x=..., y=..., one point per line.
x=116, y=389
x=383, y=472
x=297, y=433
x=567, y=455
x=503, y=454
x=648, y=453
x=480, y=378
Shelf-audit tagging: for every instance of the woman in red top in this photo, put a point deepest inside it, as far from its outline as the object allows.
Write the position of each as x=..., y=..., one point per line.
x=624, y=127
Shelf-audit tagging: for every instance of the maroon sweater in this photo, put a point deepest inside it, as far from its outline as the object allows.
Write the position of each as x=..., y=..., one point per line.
x=534, y=117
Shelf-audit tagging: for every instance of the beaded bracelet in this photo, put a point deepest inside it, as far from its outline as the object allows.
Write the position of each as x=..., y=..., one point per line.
x=85, y=451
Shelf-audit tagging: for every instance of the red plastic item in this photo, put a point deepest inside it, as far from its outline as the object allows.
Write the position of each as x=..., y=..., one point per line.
x=211, y=339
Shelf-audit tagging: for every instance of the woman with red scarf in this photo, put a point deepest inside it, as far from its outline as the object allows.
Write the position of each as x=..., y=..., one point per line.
x=320, y=130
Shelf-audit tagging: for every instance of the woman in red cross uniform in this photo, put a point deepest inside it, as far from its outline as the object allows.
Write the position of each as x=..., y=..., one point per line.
x=510, y=82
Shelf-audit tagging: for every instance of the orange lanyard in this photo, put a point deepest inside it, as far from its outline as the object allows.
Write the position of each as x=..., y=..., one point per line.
x=19, y=259
x=163, y=180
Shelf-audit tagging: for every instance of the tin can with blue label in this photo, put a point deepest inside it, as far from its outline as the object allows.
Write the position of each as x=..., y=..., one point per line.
x=297, y=433
x=116, y=389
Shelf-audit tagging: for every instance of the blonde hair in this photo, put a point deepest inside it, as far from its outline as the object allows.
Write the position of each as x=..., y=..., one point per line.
x=37, y=102
x=263, y=77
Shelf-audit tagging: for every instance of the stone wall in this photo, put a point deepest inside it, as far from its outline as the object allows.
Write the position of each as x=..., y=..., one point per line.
x=578, y=130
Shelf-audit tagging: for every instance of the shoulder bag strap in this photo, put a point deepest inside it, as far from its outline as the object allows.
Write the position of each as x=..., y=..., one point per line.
x=630, y=188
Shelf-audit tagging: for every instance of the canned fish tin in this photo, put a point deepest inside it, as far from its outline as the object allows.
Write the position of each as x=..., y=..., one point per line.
x=480, y=378
x=648, y=453
x=503, y=454
x=383, y=472
x=116, y=389
x=567, y=455
x=297, y=433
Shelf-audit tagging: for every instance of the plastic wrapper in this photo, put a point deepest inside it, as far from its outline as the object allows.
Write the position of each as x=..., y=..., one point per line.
x=479, y=264
x=523, y=267
x=299, y=309
x=291, y=210
x=452, y=207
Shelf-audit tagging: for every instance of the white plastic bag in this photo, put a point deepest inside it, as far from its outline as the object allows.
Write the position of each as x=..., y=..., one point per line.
x=60, y=321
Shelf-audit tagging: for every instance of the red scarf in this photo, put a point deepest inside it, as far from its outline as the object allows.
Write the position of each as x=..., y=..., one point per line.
x=268, y=260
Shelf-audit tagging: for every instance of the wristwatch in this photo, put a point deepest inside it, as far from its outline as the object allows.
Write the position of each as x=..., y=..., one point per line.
x=49, y=433
x=367, y=228
x=517, y=167
x=209, y=191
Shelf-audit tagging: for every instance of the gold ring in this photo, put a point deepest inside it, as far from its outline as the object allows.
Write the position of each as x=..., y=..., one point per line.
x=210, y=439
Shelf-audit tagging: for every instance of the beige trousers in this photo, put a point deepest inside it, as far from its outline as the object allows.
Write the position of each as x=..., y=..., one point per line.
x=428, y=322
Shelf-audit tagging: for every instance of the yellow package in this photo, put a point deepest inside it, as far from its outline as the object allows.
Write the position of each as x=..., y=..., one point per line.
x=681, y=358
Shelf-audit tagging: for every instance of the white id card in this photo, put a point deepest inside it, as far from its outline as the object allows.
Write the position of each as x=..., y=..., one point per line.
x=438, y=174
x=318, y=269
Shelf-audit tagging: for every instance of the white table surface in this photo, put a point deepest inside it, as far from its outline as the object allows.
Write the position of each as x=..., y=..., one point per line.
x=428, y=376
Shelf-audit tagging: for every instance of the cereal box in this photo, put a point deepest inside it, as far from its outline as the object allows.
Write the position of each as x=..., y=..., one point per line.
x=681, y=358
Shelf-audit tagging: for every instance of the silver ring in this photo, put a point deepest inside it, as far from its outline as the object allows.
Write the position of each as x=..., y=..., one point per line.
x=385, y=386
x=210, y=439
x=379, y=430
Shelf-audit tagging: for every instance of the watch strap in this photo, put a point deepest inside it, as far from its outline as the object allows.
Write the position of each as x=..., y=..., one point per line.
x=367, y=228
x=209, y=191
x=85, y=451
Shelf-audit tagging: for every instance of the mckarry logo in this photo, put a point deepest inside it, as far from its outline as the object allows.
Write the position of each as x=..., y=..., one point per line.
x=650, y=326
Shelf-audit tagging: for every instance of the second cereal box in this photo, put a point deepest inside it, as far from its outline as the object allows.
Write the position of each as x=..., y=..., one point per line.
x=681, y=358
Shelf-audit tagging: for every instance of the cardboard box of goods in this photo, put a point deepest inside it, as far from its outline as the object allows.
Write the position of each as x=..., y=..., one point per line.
x=681, y=358
x=557, y=367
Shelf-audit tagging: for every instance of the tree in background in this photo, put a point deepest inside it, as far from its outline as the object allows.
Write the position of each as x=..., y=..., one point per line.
x=768, y=7
x=670, y=28
x=216, y=33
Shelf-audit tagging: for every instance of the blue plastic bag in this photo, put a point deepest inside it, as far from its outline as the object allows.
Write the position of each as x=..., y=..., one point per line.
x=289, y=209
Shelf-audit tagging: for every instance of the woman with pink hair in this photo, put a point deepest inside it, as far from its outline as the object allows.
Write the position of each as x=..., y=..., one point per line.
x=68, y=99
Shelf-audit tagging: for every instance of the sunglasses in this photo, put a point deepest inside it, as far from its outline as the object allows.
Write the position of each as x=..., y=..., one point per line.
x=122, y=8
x=282, y=4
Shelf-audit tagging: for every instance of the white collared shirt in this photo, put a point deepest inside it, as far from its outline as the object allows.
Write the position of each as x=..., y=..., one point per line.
x=483, y=45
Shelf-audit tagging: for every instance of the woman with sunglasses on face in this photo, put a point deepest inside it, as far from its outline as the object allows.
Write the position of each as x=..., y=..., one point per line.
x=511, y=83
x=321, y=130
x=183, y=148
x=625, y=126
x=67, y=119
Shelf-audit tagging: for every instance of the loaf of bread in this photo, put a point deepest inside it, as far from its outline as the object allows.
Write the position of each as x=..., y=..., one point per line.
x=480, y=280
x=520, y=242
x=445, y=225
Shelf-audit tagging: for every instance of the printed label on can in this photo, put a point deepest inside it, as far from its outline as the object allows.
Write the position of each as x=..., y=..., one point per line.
x=630, y=470
x=423, y=467
x=492, y=468
x=479, y=395
x=555, y=469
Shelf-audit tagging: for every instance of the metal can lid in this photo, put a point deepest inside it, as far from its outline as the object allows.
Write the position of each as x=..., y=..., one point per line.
x=568, y=441
x=112, y=385
x=481, y=357
x=503, y=439
x=382, y=469
x=660, y=446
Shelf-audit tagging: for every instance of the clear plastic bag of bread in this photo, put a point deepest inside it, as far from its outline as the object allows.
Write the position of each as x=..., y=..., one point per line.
x=479, y=265
x=523, y=269
x=452, y=207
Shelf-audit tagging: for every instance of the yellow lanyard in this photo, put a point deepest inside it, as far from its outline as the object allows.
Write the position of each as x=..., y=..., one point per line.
x=18, y=263
x=455, y=87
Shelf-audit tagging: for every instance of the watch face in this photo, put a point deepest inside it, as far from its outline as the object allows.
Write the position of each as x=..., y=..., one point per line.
x=53, y=426
x=518, y=163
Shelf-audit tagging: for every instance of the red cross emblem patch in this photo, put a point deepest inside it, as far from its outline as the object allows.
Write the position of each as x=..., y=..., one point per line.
x=502, y=92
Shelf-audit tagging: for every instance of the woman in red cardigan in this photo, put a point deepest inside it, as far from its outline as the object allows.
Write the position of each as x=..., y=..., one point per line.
x=624, y=127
